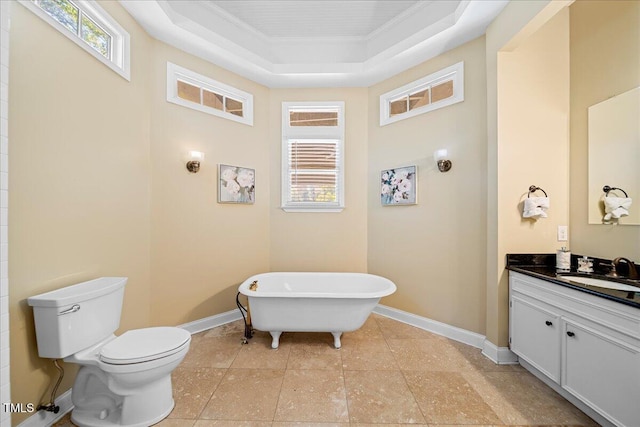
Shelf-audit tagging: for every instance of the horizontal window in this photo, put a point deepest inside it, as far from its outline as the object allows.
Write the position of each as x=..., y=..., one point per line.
x=193, y=90
x=437, y=90
x=90, y=27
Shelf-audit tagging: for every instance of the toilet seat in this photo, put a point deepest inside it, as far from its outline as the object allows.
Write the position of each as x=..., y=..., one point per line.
x=144, y=345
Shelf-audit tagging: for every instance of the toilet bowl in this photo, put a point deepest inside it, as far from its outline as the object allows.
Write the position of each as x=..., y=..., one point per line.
x=123, y=380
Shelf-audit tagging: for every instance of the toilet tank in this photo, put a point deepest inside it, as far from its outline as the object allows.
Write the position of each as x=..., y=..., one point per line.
x=73, y=318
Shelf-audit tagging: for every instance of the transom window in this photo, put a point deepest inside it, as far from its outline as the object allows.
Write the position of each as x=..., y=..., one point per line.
x=90, y=27
x=437, y=90
x=313, y=156
x=193, y=90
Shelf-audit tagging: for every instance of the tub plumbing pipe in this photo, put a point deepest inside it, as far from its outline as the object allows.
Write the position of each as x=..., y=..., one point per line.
x=248, y=329
x=51, y=406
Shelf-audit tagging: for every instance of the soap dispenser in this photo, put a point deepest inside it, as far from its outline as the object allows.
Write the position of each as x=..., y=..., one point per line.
x=563, y=259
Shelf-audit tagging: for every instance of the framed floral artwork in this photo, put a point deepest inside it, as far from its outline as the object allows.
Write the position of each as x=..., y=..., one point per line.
x=398, y=186
x=236, y=184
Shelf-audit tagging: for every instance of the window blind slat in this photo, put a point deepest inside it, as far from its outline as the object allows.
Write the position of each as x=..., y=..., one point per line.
x=313, y=170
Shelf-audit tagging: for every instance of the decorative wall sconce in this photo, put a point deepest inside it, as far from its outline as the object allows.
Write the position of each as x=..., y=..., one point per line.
x=441, y=159
x=193, y=164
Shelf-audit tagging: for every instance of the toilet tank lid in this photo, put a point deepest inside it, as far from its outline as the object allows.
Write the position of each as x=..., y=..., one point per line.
x=77, y=293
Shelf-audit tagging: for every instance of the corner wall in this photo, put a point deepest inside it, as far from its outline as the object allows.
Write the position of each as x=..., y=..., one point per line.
x=528, y=139
x=79, y=192
x=301, y=241
x=434, y=251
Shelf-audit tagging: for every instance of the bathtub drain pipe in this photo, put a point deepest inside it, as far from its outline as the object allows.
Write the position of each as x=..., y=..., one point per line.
x=248, y=330
x=51, y=406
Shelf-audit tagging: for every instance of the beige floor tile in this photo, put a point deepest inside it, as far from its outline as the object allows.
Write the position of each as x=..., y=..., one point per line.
x=479, y=361
x=233, y=329
x=192, y=389
x=216, y=352
x=427, y=355
x=228, y=423
x=64, y=422
x=359, y=359
x=174, y=422
x=393, y=329
x=258, y=354
x=312, y=396
x=447, y=398
x=380, y=397
x=245, y=395
x=307, y=424
x=522, y=399
x=314, y=351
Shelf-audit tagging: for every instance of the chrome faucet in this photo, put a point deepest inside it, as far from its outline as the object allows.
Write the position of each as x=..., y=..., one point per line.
x=632, y=270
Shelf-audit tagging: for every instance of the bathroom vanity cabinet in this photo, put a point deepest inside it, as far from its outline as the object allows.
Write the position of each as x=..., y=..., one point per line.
x=584, y=346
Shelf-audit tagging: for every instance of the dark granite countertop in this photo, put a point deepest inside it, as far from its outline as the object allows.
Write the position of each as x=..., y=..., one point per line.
x=542, y=266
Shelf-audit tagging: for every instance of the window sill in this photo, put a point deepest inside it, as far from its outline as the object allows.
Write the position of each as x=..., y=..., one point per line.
x=316, y=209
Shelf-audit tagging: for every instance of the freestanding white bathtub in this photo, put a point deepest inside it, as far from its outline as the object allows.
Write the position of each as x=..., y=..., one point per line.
x=313, y=302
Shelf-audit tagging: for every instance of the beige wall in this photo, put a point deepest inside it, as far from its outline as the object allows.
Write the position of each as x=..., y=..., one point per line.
x=322, y=241
x=518, y=25
x=605, y=61
x=434, y=251
x=80, y=182
x=202, y=250
x=533, y=140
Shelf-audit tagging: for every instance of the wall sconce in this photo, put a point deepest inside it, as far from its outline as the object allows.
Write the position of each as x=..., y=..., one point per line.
x=441, y=159
x=193, y=164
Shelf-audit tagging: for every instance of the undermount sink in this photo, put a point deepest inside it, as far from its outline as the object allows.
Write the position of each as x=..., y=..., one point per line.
x=590, y=281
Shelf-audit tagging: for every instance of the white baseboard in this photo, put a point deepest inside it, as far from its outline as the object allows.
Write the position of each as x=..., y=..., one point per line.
x=44, y=418
x=211, y=321
x=499, y=355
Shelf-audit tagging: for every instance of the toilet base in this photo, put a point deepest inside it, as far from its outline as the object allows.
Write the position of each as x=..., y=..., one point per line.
x=84, y=419
x=99, y=401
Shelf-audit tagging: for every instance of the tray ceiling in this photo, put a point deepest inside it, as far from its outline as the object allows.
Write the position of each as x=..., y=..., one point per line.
x=315, y=43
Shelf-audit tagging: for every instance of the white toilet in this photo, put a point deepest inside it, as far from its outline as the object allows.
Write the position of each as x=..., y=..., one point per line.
x=123, y=380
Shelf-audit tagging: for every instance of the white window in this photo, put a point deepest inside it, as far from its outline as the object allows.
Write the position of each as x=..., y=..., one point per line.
x=313, y=156
x=90, y=27
x=193, y=90
x=437, y=90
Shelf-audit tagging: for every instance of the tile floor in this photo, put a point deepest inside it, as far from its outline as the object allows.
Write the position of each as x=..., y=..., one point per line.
x=387, y=373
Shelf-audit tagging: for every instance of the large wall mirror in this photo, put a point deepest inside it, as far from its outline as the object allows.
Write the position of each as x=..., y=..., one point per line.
x=614, y=159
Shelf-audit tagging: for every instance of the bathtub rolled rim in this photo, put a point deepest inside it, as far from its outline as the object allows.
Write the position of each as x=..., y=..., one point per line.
x=389, y=289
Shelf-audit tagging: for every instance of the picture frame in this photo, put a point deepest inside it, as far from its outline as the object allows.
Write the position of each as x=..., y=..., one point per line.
x=398, y=186
x=236, y=184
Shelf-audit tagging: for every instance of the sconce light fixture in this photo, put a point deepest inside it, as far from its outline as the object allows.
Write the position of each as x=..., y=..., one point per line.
x=441, y=159
x=195, y=157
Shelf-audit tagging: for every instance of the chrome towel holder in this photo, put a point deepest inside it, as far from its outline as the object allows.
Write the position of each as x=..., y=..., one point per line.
x=533, y=189
x=606, y=189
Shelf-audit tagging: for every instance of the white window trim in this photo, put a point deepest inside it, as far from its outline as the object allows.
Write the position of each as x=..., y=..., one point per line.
x=120, y=61
x=454, y=72
x=328, y=132
x=175, y=73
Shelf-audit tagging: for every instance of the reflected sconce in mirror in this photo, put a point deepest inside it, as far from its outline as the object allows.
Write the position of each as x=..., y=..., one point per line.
x=193, y=164
x=444, y=164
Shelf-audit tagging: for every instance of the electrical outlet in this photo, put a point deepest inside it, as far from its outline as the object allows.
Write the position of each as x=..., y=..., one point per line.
x=563, y=233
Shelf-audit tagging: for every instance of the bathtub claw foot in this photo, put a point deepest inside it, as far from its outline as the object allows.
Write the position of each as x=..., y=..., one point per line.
x=336, y=339
x=276, y=339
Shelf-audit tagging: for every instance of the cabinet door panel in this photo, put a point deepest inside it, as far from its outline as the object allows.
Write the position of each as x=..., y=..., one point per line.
x=602, y=372
x=535, y=336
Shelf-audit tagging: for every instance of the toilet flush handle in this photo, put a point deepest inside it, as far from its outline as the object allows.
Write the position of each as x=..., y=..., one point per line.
x=73, y=309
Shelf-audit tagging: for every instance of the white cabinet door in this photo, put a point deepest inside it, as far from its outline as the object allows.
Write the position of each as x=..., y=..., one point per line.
x=535, y=336
x=603, y=372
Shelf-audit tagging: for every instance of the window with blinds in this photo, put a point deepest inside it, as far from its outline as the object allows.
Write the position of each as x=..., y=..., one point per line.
x=313, y=175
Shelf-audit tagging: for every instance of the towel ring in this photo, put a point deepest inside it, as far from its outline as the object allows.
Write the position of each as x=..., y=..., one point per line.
x=533, y=189
x=606, y=189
